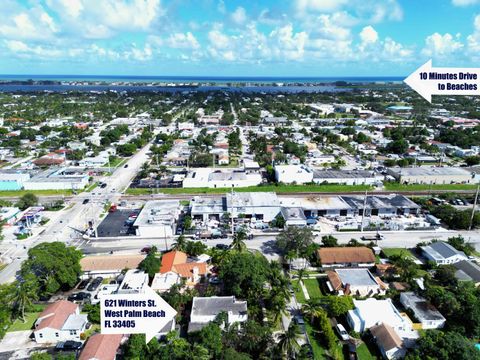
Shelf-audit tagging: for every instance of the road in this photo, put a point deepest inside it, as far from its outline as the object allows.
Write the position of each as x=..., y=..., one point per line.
x=75, y=215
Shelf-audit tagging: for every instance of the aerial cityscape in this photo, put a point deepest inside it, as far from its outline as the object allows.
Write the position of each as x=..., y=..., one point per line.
x=230, y=180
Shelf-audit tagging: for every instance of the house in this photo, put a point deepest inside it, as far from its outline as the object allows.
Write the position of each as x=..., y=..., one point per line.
x=359, y=256
x=101, y=347
x=359, y=282
x=443, y=253
x=49, y=160
x=424, y=312
x=391, y=345
x=298, y=174
x=157, y=218
x=108, y=265
x=60, y=321
x=467, y=271
x=176, y=262
x=370, y=312
x=206, y=309
x=163, y=282
x=134, y=282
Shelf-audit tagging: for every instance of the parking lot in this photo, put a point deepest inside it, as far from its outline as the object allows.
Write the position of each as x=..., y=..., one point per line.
x=115, y=225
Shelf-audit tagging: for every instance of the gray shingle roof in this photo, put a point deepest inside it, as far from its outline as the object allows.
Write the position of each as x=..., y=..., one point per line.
x=467, y=270
x=216, y=304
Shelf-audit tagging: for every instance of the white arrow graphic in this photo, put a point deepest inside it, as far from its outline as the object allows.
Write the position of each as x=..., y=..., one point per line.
x=428, y=81
x=142, y=313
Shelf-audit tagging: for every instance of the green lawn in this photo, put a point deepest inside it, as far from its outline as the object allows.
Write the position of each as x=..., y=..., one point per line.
x=313, y=288
x=270, y=188
x=12, y=193
x=364, y=353
x=298, y=292
x=19, y=325
x=117, y=162
x=398, y=251
x=91, y=187
x=426, y=187
x=318, y=350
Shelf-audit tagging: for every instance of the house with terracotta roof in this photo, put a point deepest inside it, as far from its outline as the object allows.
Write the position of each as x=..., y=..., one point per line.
x=335, y=257
x=50, y=159
x=101, y=347
x=60, y=321
x=177, y=262
x=388, y=341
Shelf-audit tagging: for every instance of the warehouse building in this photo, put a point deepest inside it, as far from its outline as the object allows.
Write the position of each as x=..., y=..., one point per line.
x=346, y=177
x=214, y=178
x=432, y=175
x=298, y=174
x=57, y=179
x=12, y=180
x=157, y=219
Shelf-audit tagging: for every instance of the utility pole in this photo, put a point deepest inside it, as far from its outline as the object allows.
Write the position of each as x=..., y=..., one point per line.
x=364, y=210
x=231, y=215
x=474, y=207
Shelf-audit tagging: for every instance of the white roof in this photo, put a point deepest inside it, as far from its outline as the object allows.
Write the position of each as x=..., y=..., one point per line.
x=372, y=311
x=163, y=282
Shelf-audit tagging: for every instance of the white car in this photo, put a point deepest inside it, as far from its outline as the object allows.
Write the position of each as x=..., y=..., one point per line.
x=342, y=332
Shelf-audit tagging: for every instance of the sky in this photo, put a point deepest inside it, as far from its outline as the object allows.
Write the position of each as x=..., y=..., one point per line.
x=237, y=38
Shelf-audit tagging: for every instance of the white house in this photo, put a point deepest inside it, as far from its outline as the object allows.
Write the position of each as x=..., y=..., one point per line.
x=426, y=313
x=206, y=309
x=134, y=282
x=60, y=321
x=298, y=174
x=442, y=253
x=163, y=282
x=389, y=343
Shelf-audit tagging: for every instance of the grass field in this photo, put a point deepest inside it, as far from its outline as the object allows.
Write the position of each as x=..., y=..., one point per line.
x=313, y=288
x=298, y=292
x=19, y=325
x=398, y=251
x=91, y=187
x=426, y=187
x=15, y=193
x=318, y=350
x=363, y=353
x=269, y=188
x=117, y=162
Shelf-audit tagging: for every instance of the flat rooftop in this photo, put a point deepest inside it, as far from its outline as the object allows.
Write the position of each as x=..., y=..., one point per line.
x=249, y=199
x=432, y=171
x=159, y=212
x=317, y=202
x=342, y=174
x=356, y=277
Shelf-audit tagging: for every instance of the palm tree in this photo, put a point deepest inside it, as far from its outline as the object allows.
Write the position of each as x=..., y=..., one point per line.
x=180, y=244
x=24, y=292
x=238, y=242
x=312, y=309
x=288, y=341
x=301, y=274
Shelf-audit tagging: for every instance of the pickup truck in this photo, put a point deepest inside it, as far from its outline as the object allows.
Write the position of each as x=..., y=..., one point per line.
x=374, y=237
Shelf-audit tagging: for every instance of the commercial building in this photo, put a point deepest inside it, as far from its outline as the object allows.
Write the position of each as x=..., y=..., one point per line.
x=432, y=175
x=157, y=218
x=12, y=180
x=347, y=177
x=215, y=178
x=294, y=216
x=60, y=321
x=108, y=265
x=57, y=179
x=442, y=253
x=9, y=215
x=338, y=257
x=206, y=309
x=358, y=282
x=467, y=271
x=424, y=312
x=298, y=174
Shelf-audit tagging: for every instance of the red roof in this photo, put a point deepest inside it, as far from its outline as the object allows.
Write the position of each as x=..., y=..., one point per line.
x=186, y=270
x=55, y=315
x=101, y=347
x=172, y=258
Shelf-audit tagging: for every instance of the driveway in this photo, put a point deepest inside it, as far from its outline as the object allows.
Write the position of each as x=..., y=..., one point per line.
x=15, y=340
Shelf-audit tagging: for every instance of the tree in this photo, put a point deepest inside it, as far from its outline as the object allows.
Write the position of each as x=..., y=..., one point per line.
x=329, y=241
x=55, y=265
x=41, y=356
x=93, y=312
x=278, y=222
x=27, y=201
x=297, y=240
x=288, y=341
x=244, y=274
x=209, y=337
x=151, y=263
x=399, y=146
x=195, y=248
x=438, y=345
x=24, y=292
x=312, y=310
x=238, y=242
x=458, y=242
x=472, y=160
x=180, y=244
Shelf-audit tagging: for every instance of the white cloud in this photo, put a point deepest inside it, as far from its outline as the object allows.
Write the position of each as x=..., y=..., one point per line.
x=473, y=40
x=287, y=44
x=22, y=49
x=183, y=41
x=28, y=24
x=239, y=16
x=328, y=27
x=438, y=45
x=368, y=35
x=319, y=5
x=464, y=2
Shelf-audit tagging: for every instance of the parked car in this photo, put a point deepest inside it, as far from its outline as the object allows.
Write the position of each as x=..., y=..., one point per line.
x=125, y=166
x=342, y=332
x=222, y=246
x=85, y=201
x=69, y=345
x=351, y=350
x=83, y=284
x=103, y=186
x=214, y=280
x=81, y=296
x=95, y=284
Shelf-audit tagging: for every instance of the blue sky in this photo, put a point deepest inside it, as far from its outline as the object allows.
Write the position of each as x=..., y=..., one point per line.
x=236, y=38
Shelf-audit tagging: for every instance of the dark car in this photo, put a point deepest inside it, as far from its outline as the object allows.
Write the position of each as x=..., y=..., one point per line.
x=81, y=296
x=222, y=246
x=125, y=166
x=83, y=284
x=85, y=201
x=146, y=249
x=95, y=284
x=103, y=186
x=351, y=350
x=69, y=345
